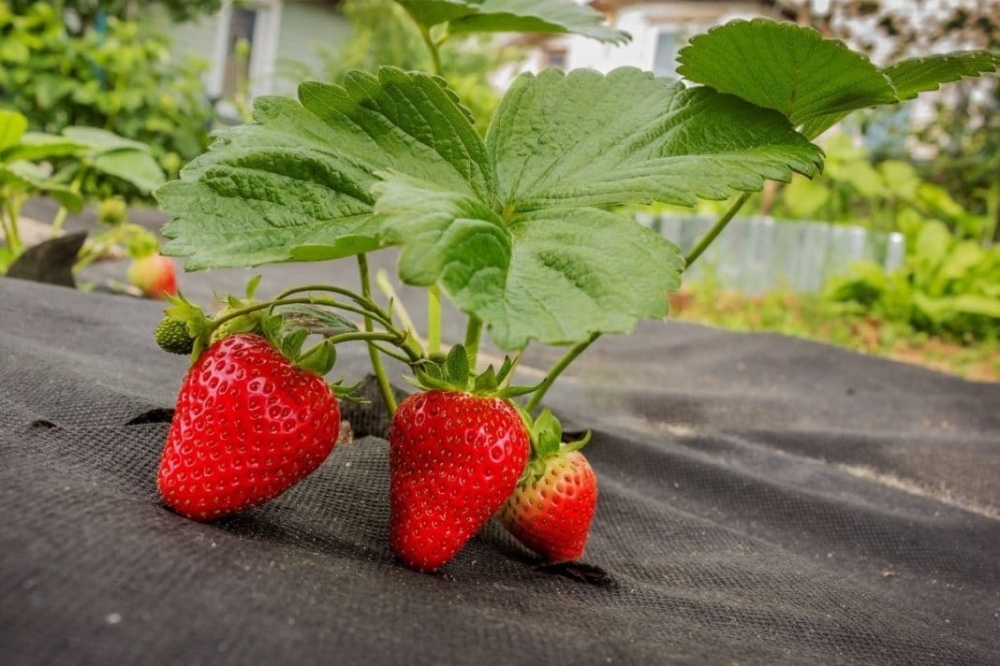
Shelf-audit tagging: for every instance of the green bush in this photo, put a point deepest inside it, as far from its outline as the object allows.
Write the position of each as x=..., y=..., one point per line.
x=120, y=77
x=947, y=286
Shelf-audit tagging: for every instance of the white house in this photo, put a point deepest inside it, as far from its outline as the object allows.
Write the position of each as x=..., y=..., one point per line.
x=278, y=33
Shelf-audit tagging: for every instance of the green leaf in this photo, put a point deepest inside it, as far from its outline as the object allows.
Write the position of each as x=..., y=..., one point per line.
x=36, y=146
x=538, y=16
x=136, y=167
x=546, y=434
x=786, y=67
x=101, y=141
x=974, y=304
x=294, y=185
x=314, y=319
x=318, y=359
x=586, y=139
x=32, y=178
x=263, y=189
x=916, y=75
x=555, y=276
x=13, y=125
x=429, y=13
x=407, y=121
x=456, y=366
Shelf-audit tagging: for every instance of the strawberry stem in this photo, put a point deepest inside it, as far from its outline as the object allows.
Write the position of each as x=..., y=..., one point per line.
x=368, y=307
x=556, y=370
x=434, y=320
x=473, y=334
x=716, y=229
x=385, y=388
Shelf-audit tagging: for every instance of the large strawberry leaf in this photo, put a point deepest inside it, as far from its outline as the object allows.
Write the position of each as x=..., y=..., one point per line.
x=785, y=67
x=554, y=275
x=295, y=183
x=586, y=139
x=916, y=75
x=539, y=16
x=526, y=252
x=812, y=80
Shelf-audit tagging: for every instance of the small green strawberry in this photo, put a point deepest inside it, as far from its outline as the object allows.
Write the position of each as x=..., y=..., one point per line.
x=553, y=505
x=455, y=456
x=172, y=336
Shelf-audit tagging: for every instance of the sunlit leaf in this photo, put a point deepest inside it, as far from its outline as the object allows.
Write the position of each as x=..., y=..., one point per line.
x=587, y=139
x=786, y=67
x=556, y=276
x=916, y=75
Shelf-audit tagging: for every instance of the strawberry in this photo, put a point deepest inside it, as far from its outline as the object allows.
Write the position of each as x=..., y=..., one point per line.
x=154, y=275
x=248, y=425
x=172, y=336
x=455, y=456
x=554, y=503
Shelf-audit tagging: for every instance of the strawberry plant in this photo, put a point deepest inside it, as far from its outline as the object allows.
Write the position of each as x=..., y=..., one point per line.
x=519, y=228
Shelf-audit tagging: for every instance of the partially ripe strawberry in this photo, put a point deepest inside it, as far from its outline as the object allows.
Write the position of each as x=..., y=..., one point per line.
x=554, y=503
x=551, y=509
x=248, y=425
x=454, y=458
x=154, y=275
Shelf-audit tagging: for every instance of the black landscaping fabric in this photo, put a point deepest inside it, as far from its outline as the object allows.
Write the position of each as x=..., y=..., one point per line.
x=763, y=500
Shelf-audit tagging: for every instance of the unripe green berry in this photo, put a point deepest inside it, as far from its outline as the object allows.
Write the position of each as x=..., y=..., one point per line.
x=172, y=336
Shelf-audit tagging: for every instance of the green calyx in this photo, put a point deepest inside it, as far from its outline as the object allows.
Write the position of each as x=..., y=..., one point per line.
x=455, y=373
x=547, y=441
x=285, y=326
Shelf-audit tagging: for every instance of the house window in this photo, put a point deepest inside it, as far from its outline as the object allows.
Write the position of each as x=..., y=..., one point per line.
x=556, y=58
x=239, y=51
x=246, y=45
x=665, y=56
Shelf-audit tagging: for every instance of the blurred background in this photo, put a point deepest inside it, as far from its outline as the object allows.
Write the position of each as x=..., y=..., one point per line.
x=893, y=251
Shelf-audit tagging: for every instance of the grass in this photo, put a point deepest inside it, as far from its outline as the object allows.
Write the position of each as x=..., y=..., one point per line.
x=809, y=316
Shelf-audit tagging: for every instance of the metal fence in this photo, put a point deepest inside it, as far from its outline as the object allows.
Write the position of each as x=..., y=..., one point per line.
x=756, y=255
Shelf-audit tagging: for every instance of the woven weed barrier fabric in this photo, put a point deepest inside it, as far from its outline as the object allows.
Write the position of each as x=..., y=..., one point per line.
x=763, y=501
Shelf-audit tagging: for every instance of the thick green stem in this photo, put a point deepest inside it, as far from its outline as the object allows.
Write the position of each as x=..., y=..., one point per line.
x=11, y=211
x=434, y=320
x=473, y=333
x=61, y=214
x=432, y=48
x=11, y=238
x=365, y=302
x=373, y=353
x=557, y=369
x=716, y=229
x=369, y=336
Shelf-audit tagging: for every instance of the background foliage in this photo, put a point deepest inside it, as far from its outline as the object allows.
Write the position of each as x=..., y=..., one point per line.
x=118, y=75
x=383, y=34
x=963, y=136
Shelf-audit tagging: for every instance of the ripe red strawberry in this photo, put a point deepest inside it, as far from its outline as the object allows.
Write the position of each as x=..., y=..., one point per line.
x=154, y=275
x=248, y=425
x=554, y=503
x=454, y=458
